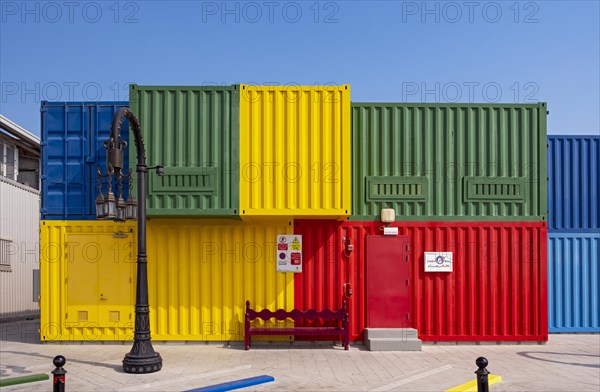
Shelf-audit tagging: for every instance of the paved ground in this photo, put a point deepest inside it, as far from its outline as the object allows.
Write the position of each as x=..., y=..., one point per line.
x=565, y=363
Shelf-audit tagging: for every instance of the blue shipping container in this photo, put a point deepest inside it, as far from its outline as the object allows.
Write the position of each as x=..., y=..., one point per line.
x=73, y=134
x=573, y=282
x=573, y=183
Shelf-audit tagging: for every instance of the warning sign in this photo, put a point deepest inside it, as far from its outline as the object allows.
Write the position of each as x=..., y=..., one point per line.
x=296, y=245
x=289, y=253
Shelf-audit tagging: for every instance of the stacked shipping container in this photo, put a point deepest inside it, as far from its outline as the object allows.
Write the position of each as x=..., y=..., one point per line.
x=496, y=291
x=445, y=162
x=467, y=179
x=194, y=133
x=295, y=151
x=574, y=233
x=72, y=138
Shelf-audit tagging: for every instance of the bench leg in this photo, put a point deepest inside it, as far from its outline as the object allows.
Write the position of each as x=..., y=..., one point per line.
x=346, y=340
x=247, y=342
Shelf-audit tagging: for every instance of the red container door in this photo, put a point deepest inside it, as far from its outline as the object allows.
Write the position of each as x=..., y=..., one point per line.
x=388, y=290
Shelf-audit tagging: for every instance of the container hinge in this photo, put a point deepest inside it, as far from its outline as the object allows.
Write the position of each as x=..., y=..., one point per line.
x=130, y=280
x=66, y=279
x=408, y=316
x=407, y=282
x=66, y=315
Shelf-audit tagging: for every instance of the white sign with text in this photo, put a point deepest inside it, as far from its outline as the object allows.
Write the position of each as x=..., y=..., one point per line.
x=289, y=253
x=438, y=261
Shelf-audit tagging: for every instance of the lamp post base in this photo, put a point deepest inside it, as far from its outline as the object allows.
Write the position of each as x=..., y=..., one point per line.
x=142, y=364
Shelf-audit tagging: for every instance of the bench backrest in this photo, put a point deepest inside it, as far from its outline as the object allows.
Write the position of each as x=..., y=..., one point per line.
x=297, y=315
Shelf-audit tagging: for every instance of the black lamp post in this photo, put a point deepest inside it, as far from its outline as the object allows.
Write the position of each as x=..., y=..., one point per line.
x=142, y=358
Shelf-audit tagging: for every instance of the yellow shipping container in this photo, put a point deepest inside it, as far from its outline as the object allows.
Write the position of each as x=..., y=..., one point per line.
x=295, y=151
x=87, y=277
x=200, y=273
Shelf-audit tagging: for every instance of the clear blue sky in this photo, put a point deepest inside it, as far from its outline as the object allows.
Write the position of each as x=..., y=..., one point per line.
x=388, y=51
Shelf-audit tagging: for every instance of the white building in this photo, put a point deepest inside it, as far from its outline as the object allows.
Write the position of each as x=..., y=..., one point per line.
x=19, y=221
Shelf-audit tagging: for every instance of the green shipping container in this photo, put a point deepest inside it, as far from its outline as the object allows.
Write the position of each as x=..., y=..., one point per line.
x=449, y=162
x=194, y=132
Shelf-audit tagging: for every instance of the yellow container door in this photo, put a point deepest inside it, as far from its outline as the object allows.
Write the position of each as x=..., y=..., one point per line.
x=100, y=278
x=81, y=280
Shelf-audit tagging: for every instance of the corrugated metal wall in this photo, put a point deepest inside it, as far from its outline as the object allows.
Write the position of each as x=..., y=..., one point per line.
x=295, y=151
x=194, y=133
x=470, y=162
x=574, y=182
x=326, y=267
x=201, y=273
x=19, y=217
x=574, y=282
x=496, y=292
x=67, y=288
x=73, y=134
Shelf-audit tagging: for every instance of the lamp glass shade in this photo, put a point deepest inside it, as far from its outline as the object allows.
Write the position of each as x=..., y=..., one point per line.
x=131, y=208
x=100, y=206
x=110, y=206
x=120, y=210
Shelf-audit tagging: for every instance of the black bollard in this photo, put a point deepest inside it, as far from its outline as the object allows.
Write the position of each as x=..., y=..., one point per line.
x=482, y=375
x=59, y=373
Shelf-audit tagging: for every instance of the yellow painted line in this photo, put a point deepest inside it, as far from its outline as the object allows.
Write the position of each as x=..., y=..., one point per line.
x=471, y=386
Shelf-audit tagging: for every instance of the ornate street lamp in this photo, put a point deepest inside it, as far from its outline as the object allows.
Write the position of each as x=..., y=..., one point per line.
x=142, y=358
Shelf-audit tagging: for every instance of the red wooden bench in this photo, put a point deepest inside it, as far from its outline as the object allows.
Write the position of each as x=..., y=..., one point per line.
x=298, y=315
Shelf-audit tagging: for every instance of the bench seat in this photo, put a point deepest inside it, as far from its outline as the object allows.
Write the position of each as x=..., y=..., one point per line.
x=340, y=316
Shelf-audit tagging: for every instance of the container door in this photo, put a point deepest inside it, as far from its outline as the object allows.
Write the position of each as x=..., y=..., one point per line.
x=388, y=290
x=100, y=278
x=81, y=282
x=65, y=183
x=115, y=280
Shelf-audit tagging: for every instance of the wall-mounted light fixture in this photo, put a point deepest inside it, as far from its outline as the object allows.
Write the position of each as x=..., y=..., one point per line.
x=388, y=215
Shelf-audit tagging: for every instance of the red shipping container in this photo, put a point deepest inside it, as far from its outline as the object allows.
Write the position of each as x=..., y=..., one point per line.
x=497, y=290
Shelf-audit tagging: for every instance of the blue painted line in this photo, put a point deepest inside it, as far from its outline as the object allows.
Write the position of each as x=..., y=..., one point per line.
x=231, y=385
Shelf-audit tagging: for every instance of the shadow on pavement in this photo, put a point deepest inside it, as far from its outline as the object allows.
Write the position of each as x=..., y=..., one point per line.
x=117, y=368
x=528, y=354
